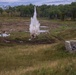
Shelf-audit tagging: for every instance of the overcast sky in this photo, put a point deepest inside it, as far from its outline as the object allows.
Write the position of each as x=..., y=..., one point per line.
x=36, y=2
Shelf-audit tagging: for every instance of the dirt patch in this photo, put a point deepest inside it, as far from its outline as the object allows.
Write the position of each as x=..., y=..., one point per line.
x=14, y=26
x=23, y=25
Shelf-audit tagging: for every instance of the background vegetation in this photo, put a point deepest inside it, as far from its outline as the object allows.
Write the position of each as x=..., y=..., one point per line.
x=62, y=12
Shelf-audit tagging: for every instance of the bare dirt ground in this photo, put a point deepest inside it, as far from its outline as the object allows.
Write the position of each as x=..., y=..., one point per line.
x=14, y=26
x=22, y=24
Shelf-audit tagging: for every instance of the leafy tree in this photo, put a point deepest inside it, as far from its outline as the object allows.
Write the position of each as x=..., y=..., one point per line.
x=73, y=10
x=62, y=12
x=1, y=11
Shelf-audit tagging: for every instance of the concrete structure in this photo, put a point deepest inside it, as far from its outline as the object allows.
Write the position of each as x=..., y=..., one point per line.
x=70, y=45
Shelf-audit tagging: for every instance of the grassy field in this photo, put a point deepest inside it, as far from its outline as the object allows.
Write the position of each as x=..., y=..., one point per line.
x=39, y=56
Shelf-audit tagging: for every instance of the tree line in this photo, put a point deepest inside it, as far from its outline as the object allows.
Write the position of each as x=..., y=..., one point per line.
x=63, y=12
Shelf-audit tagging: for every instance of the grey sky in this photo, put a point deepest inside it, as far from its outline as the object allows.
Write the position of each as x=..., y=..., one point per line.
x=38, y=2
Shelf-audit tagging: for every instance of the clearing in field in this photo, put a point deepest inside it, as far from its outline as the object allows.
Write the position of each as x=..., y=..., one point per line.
x=43, y=55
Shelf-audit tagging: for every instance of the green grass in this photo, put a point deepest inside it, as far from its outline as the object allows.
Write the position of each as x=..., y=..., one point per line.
x=37, y=60
x=33, y=58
